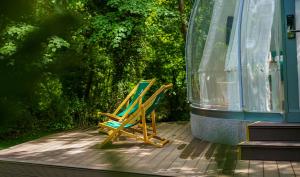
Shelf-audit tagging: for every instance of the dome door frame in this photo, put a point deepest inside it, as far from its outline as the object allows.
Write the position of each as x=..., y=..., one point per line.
x=290, y=74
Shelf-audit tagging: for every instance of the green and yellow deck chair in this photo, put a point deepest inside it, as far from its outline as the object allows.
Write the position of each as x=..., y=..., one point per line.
x=135, y=125
x=130, y=104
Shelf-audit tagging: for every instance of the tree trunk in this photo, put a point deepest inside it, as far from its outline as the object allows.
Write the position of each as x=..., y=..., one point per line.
x=88, y=85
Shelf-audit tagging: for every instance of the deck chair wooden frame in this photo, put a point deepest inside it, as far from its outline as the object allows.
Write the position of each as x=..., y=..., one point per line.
x=140, y=131
x=126, y=101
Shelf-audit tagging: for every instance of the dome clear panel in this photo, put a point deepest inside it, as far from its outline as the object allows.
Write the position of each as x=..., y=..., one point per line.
x=212, y=55
x=221, y=78
x=261, y=47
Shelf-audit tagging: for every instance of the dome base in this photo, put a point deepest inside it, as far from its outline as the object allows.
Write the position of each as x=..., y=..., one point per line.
x=218, y=130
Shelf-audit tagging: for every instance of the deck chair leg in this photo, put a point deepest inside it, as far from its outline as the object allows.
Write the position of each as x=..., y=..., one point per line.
x=116, y=131
x=144, y=126
x=153, y=122
x=117, y=137
x=112, y=136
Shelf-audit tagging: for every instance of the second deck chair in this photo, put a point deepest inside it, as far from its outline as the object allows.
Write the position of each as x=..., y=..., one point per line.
x=130, y=104
x=135, y=125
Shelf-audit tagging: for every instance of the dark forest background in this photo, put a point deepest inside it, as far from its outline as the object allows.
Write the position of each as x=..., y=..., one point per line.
x=63, y=60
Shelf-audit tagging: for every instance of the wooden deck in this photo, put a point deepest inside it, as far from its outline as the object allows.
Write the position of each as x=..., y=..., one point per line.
x=77, y=153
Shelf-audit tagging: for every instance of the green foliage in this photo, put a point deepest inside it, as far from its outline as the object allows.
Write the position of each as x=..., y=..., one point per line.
x=60, y=73
x=54, y=44
x=8, y=49
x=18, y=32
x=12, y=35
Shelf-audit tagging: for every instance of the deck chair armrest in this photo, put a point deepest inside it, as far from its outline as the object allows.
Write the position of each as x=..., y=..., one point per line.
x=111, y=116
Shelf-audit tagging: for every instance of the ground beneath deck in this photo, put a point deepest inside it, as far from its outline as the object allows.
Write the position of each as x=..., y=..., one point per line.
x=77, y=153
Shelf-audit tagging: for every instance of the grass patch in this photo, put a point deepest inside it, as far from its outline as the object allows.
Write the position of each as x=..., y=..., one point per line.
x=6, y=143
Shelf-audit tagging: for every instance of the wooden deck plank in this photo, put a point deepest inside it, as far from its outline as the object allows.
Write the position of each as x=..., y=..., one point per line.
x=111, y=158
x=105, y=158
x=242, y=168
x=20, y=169
x=256, y=168
x=221, y=158
x=203, y=163
x=27, y=150
x=285, y=169
x=144, y=150
x=122, y=151
x=126, y=150
x=81, y=156
x=166, y=158
x=51, y=149
x=163, y=130
x=270, y=169
x=143, y=157
x=296, y=168
x=160, y=159
x=222, y=161
x=66, y=149
x=148, y=162
x=217, y=160
x=53, y=153
x=91, y=155
x=190, y=165
x=211, y=169
x=230, y=161
x=30, y=144
x=178, y=164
